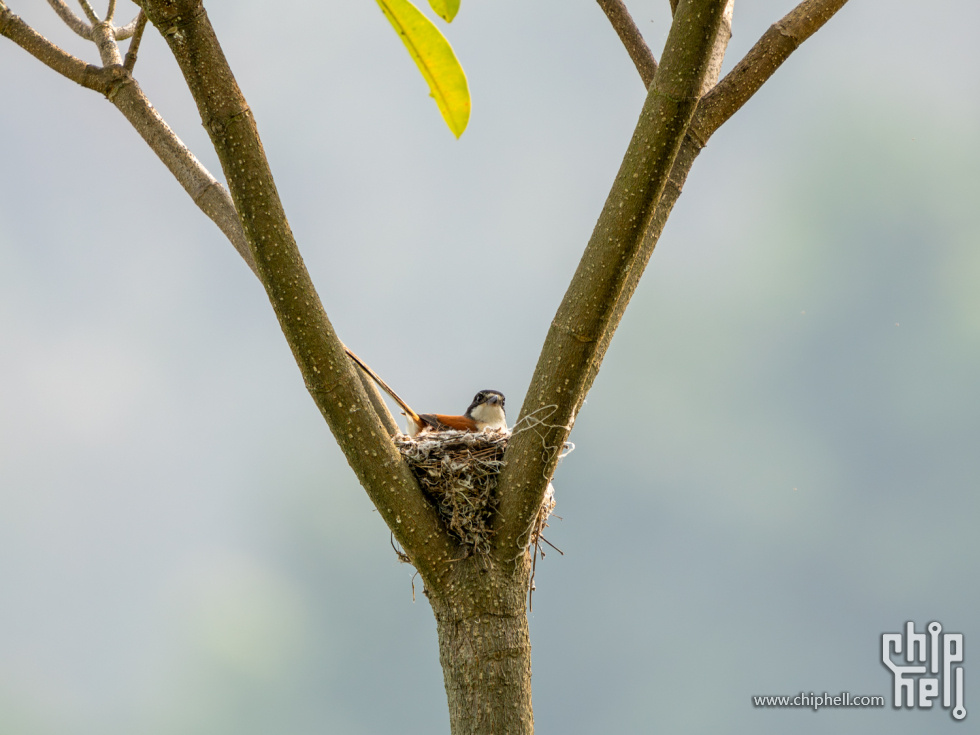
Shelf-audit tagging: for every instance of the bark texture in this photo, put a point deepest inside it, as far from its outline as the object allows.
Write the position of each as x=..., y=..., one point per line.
x=485, y=649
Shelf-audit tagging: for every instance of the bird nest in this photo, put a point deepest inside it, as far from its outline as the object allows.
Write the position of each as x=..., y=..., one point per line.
x=458, y=471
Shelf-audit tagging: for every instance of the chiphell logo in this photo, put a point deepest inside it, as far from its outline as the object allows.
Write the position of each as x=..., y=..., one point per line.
x=926, y=667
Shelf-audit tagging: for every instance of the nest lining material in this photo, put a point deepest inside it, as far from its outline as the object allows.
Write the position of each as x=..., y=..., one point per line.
x=458, y=471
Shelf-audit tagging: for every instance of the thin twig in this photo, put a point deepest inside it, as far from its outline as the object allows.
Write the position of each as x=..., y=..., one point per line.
x=134, y=45
x=78, y=25
x=530, y=582
x=89, y=11
x=552, y=546
x=111, y=11
x=631, y=37
x=124, y=32
x=402, y=556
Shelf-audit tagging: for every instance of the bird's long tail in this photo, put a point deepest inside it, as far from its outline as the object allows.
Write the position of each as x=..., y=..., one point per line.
x=384, y=386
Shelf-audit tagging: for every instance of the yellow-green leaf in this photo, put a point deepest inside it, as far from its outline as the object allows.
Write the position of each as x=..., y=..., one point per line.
x=435, y=59
x=445, y=9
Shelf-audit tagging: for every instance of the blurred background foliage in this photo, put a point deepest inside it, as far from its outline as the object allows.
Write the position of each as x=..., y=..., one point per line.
x=777, y=464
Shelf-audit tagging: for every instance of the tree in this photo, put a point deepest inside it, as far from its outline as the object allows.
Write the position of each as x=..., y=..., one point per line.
x=317, y=351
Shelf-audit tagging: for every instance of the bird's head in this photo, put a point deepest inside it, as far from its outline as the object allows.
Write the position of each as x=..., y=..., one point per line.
x=487, y=410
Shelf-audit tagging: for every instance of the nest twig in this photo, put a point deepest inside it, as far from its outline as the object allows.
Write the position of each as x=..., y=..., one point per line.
x=458, y=470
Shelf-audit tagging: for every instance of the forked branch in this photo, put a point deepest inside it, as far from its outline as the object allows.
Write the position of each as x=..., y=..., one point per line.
x=715, y=108
x=330, y=376
x=761, y=62
x=586, y=312
x=84, y=29
x=117, y=84
x=87, y=75
x=673, y=127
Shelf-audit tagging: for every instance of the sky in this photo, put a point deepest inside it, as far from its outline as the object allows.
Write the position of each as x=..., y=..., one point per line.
x=776, y=466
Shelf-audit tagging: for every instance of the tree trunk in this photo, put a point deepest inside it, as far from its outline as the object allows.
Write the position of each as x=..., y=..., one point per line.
x=484, y=647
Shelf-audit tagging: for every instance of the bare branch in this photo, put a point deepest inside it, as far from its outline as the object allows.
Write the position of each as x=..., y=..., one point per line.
x=111, y=11
x=761, y=62
x=105, y=40
x=87, y=75
x=631, y=37
x=718, y=52
x=713, y=110
x=330, y=376
x=206, y=192
x=78, y=25
x=706, y=120
x=89, y=11
x=124, y=32
x=134, y=45
x=586, y=313
x=118, y=85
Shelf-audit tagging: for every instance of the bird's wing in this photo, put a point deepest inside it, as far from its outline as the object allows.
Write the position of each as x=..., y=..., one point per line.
x=441, y=422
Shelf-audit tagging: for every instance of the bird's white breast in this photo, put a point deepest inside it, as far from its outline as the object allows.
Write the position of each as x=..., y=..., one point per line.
x=489, y=416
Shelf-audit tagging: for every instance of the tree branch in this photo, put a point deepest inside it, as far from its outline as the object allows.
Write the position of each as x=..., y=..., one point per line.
x=761, y=62
x=78, y=25
x=586, y=312
x=134, y=45
x=720, y=47
x=124, y=32
x=619, y=249
x=119, y=87
x=205, y=191
x=712, y=111
x=716, y=107
x=632, y=39
x=89, y=11
x=105, y=40
x=87, y=75
x=329, y=375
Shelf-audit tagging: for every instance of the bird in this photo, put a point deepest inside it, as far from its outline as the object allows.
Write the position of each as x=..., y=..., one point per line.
x=486, y=412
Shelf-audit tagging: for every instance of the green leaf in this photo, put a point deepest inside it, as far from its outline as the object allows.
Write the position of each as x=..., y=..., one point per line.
x=445, y=9
x=435, y=59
